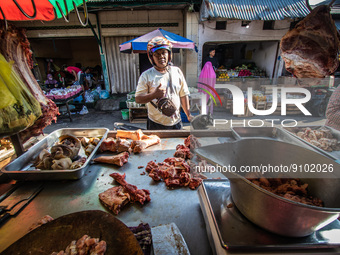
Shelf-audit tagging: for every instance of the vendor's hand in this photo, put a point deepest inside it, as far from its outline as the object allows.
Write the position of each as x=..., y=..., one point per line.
x=159, y=92
x=190, y=118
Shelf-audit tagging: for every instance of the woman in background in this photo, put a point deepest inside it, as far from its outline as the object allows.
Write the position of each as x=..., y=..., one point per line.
x=208, y=76
x=51, y=83
x=76, y=72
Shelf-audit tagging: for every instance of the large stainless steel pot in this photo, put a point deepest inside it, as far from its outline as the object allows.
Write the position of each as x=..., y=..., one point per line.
x=270, y=211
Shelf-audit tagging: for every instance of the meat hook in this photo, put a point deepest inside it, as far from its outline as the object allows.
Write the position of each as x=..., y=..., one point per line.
x=5, y=20
x=66, y=18
x=85, y=13
x=23, y=12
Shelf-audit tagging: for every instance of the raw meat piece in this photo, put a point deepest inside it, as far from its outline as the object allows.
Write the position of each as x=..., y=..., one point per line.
x=310, y=50
x=15, y=47
x=42, y=221
x=133, y=135
x=183, y=152
x=109, y=144
x=118, y=160
x=140, y=145
x=122, y=145
x=192, y=142
x=115, y=198
x=140, y=195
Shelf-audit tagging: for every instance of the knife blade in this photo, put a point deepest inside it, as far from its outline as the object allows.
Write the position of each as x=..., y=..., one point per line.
x=19, y=206
x=18, y=193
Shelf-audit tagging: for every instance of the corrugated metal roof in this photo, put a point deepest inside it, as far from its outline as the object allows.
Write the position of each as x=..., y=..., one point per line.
x=253, y=9
x=139, y=2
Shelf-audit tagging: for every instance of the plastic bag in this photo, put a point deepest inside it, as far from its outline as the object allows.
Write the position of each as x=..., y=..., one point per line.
x=89, y=97
x=84, y=110
x=104, y=94
x=19, y=107
x=95, y=95
x=78, y=99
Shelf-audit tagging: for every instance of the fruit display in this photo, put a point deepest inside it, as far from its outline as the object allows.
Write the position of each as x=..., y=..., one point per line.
x=258, y=96
x=242, y=71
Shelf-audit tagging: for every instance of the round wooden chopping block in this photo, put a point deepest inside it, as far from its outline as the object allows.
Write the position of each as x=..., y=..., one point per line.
x=58, y=234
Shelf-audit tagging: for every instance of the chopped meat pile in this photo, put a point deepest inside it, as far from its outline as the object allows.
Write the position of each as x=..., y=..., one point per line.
x=84, y=246
x=292, y=189
x=174, y=172
x=118, y=160
x=183, y=151
x=321, y=138
x=117, y=197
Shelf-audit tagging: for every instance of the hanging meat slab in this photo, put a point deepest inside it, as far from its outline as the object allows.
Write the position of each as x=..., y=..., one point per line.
x=14, y=46
x=310, y=50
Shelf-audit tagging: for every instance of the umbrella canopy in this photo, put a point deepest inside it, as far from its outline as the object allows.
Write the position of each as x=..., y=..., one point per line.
x=21, y=10
x=139, y=44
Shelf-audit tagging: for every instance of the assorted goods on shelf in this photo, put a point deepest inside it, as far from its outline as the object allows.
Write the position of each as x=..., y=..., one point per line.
x=249, y=70
x=63, y=93
x=131, y=102
x=136, y=112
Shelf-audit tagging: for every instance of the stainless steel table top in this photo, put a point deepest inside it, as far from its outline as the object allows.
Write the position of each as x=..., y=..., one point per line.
x=180, y=205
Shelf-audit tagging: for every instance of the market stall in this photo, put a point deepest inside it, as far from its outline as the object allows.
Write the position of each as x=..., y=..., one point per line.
x=64, y=96
x=195, y=212
x=70, y=196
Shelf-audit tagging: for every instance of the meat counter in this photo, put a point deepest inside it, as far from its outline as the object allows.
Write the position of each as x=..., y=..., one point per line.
x=180, y=205
x=186, y=208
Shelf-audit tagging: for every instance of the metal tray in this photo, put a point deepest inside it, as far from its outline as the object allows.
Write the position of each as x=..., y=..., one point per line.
x=272, y=133
x=235, y=232
x=22, y=169
x=334, y=154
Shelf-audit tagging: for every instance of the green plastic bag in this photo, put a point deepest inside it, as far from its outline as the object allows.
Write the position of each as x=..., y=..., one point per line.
x=18, y=107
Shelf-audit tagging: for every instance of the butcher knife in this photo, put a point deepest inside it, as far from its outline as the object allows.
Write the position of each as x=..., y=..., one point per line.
x=14, y=209
x=168, y=239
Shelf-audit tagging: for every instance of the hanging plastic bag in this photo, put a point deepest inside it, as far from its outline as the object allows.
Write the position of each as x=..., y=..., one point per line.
x=19, y=107
x=84, y=110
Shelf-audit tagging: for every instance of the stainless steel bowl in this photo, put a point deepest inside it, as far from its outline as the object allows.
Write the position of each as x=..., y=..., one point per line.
x=267, y=210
